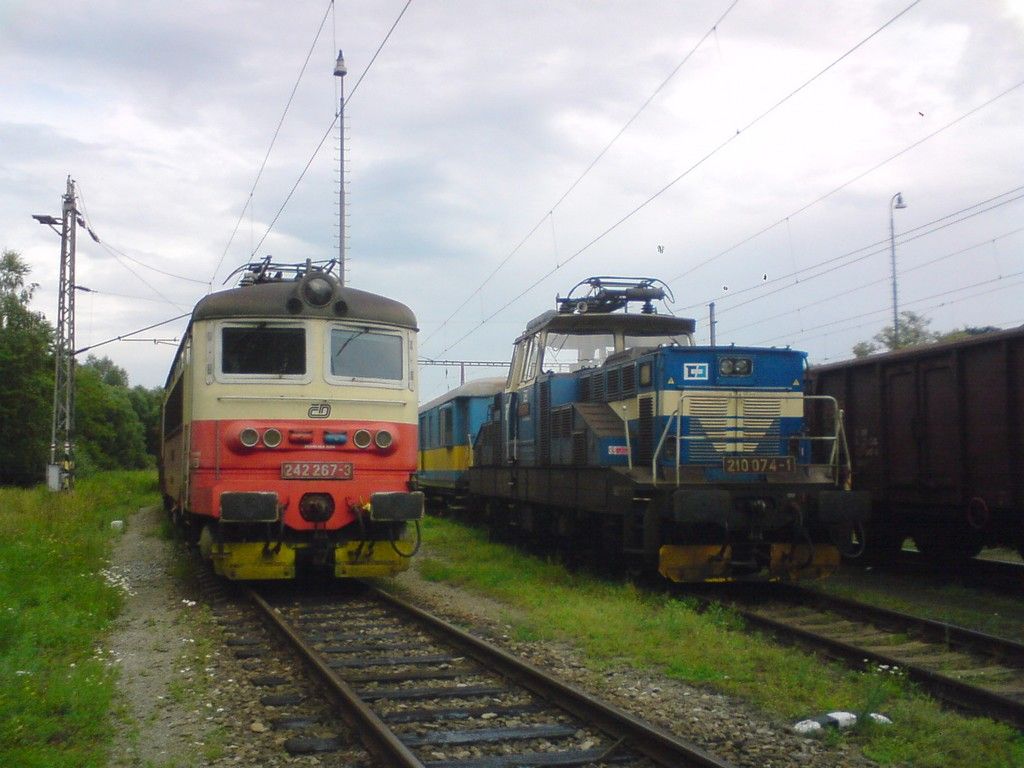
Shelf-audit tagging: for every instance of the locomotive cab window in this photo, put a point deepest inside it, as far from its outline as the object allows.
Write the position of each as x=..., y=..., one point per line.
x=528, y=354
x=564, y=353
x=263, y=350
x=680, y=340
x=366, y=354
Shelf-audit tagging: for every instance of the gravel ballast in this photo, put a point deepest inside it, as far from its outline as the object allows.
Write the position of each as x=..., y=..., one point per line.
x=188, y=698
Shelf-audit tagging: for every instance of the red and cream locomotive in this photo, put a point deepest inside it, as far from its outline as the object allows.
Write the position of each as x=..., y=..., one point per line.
x=289, y=427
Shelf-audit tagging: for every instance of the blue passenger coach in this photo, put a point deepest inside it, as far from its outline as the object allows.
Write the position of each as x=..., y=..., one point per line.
x=448, y=425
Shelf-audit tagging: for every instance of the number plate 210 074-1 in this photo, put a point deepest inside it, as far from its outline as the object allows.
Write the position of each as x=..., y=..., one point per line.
x=759, y=464
x=316, y=470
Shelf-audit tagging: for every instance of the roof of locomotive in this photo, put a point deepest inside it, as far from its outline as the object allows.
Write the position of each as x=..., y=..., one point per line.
x=285, y=299
x=476, y=388
x=272, y=299
x=596, y=322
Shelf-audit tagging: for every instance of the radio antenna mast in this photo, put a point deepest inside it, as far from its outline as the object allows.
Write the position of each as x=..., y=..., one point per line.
x=339, y=72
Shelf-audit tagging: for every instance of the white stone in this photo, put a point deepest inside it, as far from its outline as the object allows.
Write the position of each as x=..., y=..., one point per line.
x=807, y=726
x=844, y=719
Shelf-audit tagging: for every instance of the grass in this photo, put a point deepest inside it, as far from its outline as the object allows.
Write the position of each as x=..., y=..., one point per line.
x=56, y=690
x=615, y=623
x=978, y=609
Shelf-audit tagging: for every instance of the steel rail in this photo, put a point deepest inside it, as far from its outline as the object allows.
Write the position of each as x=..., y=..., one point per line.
x=939, y=631
x=376, y=736
x=953, y=692
x=654, y=742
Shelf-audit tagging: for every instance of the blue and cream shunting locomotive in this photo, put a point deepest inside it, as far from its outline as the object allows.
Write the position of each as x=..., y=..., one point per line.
x=616, y=435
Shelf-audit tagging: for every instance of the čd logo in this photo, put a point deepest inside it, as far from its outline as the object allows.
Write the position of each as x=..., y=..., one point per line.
x=319, y=410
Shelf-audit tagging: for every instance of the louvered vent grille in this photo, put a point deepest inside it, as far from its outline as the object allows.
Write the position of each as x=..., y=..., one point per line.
x=545, y=423
x=585, y=389
x=628, y=381
x=760, y=428
x=597, y=391
x=614, y=386
x=645, y=431
x=579, y=448
x=561, y=422
x=747, y=425
x=710, y=421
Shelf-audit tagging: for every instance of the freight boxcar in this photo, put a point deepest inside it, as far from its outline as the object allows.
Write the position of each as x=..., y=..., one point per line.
x=935, y=436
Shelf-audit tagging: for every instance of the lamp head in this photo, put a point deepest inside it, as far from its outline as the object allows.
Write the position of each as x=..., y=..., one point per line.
x=899, y=201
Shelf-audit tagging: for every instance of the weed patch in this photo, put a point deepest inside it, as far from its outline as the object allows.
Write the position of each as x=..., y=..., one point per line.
x=613, y=622
x=56, y=688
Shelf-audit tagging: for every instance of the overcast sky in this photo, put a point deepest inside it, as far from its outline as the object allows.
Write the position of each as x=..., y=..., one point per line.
x=475, y=120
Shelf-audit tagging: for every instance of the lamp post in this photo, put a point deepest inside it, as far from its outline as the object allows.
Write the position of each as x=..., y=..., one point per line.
x=895, y=203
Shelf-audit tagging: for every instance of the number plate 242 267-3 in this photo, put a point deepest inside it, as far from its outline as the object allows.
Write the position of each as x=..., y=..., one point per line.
x=316, y=470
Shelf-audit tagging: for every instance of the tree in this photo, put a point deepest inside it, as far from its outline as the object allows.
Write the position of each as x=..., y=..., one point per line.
x=967, y=332
x=113, y=423
x=26, y=377
x=109, y=372
x=147, y=404
x=108, y=432
x=913, y=332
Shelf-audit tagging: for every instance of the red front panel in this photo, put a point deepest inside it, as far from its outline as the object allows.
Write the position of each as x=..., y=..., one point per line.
x=306, y=461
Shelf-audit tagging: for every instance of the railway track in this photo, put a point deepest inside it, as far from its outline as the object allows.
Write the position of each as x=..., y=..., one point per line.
x=998, y=576
x=421, y=692
x=971, y=671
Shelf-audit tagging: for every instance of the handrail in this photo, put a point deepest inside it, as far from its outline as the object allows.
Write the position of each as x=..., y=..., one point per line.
x=629, y=448
x=838, y=440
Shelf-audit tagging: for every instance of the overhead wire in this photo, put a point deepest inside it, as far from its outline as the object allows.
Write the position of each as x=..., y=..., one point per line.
x=847, y=183
x=329, y=130
x=124, y=336
x=590, y=166
x=102, y=292
x=117, y=257
x=907, y=236
x=273, y=140
x=849, y=290
x=722, y=145
x=118, y=252
x=912, y=303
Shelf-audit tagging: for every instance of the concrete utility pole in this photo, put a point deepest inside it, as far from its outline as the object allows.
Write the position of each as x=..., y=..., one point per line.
x=339, y=72
x=60, y=473
x=896, y=204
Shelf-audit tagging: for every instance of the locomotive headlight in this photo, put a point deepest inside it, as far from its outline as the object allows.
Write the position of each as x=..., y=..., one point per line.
x=248, y=437
x=318, y=291
x=272, y=437
x=735, y=366
x=383, y=439
x=362, y=438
